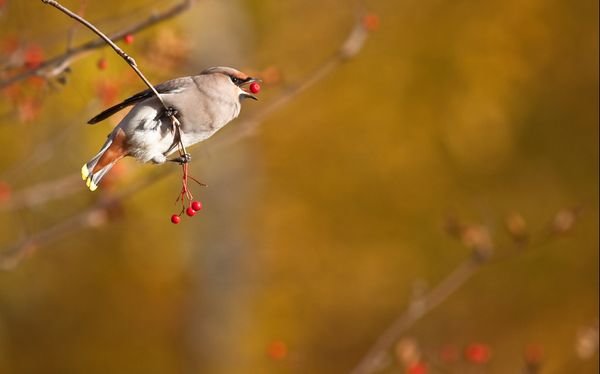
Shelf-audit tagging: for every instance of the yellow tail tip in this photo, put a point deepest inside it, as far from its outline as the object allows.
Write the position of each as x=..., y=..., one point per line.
x=90, y=184
x=85, y=173
x=87, y=177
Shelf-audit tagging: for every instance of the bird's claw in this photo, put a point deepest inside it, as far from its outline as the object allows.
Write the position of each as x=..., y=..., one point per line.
x=171, y=112
x=183, y=159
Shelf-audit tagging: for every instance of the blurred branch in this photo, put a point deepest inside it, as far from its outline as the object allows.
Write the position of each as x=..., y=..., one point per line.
x=371, y=362
x=107, y=207
x=43, y=192
x=477, y=238
x=57, y=65
x=11, y=255
x=350, y=48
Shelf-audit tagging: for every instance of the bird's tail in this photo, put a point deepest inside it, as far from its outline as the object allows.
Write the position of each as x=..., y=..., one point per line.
x=112, y=151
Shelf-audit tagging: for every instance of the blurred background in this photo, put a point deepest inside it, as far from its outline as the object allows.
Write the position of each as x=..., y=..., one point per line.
x=458, y=127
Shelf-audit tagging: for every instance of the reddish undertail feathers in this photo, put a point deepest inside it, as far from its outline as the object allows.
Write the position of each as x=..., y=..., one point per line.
x=113, y=150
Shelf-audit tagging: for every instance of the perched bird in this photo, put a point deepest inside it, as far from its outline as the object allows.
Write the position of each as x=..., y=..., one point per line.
x=203, y=104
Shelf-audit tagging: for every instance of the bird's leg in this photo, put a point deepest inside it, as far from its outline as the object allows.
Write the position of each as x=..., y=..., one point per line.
x=184, y=156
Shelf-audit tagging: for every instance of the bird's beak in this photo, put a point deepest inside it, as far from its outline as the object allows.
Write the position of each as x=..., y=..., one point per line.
x=249, y=95
x=246, y=93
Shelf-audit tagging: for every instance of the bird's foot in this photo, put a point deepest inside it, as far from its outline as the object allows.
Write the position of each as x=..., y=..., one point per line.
x=171, y=112
x=183, y=159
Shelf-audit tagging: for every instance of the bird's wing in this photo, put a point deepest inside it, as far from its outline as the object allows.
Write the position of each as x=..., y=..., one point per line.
x=171, y=86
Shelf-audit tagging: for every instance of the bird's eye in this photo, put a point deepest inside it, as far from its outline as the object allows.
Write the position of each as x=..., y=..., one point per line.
x=236, y=80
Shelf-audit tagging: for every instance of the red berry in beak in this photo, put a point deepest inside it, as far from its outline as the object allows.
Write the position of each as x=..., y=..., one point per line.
x=254, y=87
x=128, y=39
x=190, y=212
x=175, y=219
x=196, y=205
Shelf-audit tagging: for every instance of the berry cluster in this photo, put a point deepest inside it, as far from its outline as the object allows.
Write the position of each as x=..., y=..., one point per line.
x=195, y=207
x=185, y=195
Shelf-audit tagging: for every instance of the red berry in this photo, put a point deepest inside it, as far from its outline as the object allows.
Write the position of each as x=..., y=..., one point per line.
x=254, y=87
x=277, y=350
x=196, y=205
x=478, y=353
x=417, y=368
x=128, y=39
x=175, y=219
x=34, y=56
x=190, y=212
x=370, y=22
x=102, y=64
x=5, y=191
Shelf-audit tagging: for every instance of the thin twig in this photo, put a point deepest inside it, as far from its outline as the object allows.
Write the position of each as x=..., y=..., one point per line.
x=90, y=217
x=418, y=308
x=43, y=192
x=58, y=64
x=130, y=61
x=449, y=285
x=351, y=46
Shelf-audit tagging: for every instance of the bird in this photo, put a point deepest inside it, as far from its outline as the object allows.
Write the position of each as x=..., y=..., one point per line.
x=203, y=104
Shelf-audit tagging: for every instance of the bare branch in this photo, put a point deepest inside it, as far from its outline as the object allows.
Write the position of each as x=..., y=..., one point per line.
x=449, y=285
x=349, y=49
x=95, y=215
x=43, y=193
x=57, y=65
x=475, y=238
x=130, y=61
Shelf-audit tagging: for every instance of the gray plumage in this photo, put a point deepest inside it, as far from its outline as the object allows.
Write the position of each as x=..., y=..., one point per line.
x=204, y=104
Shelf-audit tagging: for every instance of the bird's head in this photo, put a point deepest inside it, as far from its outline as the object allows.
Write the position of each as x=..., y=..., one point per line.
x=232, y=80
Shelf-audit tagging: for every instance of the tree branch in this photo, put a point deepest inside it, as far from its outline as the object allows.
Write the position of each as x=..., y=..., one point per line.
x=476, y=238
x=130, y=61
x=57, y=65
x=371, y=362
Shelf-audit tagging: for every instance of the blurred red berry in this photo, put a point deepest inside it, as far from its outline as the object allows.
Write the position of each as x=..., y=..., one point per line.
x=417, y=368
x=128, y=39
x=190, y=212
x=370, y=22
x=34, y=56
x=102, y=64
x=107, y=92
x=5, y=192
x=175, y=219
x=478, y=353
x=254, y=87
x=277, y=350
x=196, y=205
